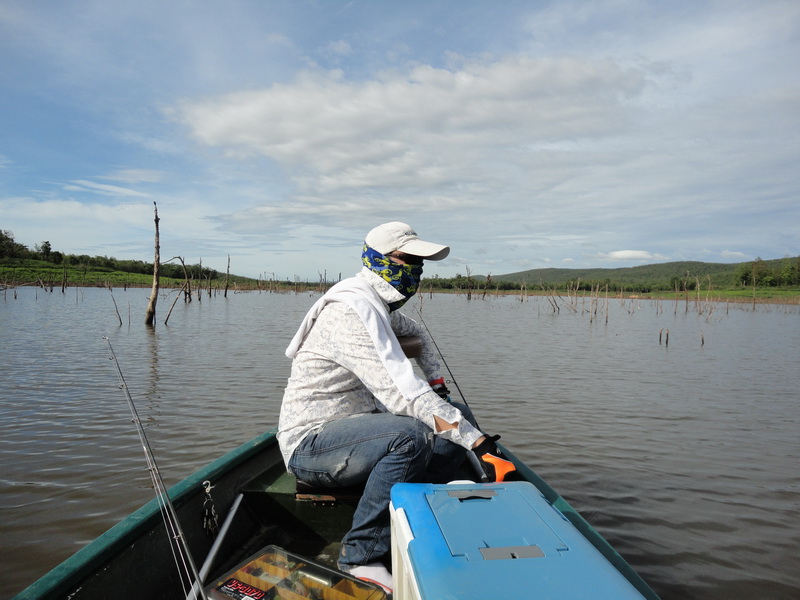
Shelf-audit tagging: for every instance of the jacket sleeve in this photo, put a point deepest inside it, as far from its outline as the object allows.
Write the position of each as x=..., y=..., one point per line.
x=355, y=351
x=427, y=360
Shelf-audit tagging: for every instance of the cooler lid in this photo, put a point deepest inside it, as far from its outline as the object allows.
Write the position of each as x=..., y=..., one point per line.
x=494, y=523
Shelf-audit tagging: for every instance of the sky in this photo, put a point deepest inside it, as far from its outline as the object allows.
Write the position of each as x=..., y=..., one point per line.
x=523, y=134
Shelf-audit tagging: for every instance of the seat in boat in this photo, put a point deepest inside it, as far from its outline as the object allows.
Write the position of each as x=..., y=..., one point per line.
x=305, y=492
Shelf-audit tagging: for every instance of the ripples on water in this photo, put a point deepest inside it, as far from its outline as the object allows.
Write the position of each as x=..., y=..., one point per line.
x=683, y=456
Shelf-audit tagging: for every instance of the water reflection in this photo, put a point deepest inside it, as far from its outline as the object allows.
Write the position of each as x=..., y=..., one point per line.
x=151, y=393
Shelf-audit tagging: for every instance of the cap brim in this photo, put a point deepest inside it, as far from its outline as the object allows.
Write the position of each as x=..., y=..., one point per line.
x=427, y=250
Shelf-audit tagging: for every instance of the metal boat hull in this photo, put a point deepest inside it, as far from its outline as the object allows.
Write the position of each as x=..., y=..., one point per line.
x=133, y=559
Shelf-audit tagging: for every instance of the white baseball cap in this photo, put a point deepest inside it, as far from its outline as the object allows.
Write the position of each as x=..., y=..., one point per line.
x=399, y=236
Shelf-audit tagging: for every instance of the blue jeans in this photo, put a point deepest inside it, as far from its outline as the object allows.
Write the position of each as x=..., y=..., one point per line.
x=379, y=450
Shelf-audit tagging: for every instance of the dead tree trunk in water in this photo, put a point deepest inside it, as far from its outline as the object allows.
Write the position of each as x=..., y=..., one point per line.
x=227, y=276
x=174, y=302
x=199, y=285
x=187, y=286
x=150, y=315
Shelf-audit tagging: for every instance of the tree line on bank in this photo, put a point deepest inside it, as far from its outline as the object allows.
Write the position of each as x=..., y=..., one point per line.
x=665, y=277
x=759, y=273
x=10, y=249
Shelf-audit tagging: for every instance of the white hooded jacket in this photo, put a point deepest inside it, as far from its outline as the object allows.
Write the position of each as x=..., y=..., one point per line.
x=347, y=361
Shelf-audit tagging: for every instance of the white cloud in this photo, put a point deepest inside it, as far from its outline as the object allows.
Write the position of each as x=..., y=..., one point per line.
x=82, y=185
x=733, y=255
x=427, y=139
x=632, y=256
x=135, y=176
x=421, y=127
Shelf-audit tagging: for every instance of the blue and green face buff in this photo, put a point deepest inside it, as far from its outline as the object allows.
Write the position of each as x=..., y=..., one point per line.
x=404, y=278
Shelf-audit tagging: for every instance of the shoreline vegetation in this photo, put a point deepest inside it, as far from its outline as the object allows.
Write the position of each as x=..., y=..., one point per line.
x=198, y=281
x=775, y=281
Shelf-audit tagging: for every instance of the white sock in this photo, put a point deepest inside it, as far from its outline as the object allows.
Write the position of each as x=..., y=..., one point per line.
x=376, y=573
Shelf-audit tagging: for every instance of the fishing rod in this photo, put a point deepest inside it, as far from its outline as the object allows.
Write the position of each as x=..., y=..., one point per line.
x=502, y=465
x=446, y=366
x=187, y=570
x=473, y=459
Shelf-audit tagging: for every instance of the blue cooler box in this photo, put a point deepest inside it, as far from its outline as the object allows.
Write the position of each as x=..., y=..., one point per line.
x=497, y=540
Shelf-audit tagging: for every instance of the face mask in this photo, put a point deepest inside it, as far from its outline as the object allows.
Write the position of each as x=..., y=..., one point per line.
x=404, y=278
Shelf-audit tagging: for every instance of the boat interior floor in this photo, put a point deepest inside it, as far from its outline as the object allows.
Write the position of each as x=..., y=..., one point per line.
x=277, y=509
x=310, y=523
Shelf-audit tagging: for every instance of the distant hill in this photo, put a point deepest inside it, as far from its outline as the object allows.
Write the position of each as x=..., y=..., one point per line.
x=660, y=275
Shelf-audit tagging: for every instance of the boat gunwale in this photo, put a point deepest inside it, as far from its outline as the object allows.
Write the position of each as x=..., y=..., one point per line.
x=83, y=562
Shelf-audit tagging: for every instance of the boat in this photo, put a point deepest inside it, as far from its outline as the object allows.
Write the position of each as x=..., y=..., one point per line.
x=266, y=518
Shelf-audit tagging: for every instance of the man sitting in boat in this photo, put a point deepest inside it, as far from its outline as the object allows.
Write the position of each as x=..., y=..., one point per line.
x=355, y=412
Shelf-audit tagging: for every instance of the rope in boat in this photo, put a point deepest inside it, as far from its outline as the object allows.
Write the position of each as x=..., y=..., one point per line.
x=210, y=519
x=182, y=556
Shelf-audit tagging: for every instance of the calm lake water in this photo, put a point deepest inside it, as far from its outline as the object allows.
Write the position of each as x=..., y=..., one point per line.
x=684, y=456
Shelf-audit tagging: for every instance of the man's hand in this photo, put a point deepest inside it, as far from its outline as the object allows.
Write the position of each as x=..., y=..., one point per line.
x=440, y=388
x=443, y=392
x=494, y=463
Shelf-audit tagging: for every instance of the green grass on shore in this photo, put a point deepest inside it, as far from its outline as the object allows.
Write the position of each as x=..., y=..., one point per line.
x=27, y=272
